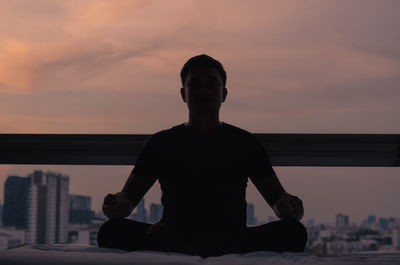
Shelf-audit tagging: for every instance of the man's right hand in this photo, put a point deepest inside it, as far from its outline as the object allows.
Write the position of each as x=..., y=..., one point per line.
x=117, y=206
x=289, y=207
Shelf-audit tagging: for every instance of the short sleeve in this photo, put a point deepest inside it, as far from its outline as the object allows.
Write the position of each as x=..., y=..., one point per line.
x=259, y=162
x=148, y=159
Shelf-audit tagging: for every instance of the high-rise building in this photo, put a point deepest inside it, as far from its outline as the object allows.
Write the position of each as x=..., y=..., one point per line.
x=312, y=230
x=80, y=202
x=141, y=212
x=383, y=225
x=371, y=219
x=48, y=208
x=80, y=209
x=1, y=214
x=100, y=215
x=16, y=202
x=251, y=219
x=155, y=212
x=393, y=223
x=342, y=221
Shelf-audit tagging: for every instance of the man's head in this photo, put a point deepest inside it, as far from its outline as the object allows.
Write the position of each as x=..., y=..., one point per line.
x=203, y=84
x=201, y=61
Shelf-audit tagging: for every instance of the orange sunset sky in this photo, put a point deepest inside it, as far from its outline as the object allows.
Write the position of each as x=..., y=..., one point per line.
x=293, y=67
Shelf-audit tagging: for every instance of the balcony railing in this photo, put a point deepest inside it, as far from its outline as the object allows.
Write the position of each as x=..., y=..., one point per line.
x=355, y=150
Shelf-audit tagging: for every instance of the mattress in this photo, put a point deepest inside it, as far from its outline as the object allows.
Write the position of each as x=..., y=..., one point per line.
x=61, y=254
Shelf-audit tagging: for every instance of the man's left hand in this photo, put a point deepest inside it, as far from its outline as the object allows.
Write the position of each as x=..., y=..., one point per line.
x=289, y=207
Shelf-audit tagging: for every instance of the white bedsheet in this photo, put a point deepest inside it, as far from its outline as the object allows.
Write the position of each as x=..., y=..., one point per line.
x=62, y=254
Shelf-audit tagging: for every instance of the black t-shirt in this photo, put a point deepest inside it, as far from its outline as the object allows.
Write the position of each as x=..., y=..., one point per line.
x=203, y=177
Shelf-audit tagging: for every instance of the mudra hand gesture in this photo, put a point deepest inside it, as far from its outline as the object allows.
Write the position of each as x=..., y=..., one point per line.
x=289, y=207
x=117, y=206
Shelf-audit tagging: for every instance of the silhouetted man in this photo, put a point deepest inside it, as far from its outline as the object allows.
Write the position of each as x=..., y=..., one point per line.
x=203, y=167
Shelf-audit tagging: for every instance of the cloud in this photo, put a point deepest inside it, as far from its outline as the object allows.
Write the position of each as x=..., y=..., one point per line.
x=32, y=64
x=281, y=58
x=99, y=38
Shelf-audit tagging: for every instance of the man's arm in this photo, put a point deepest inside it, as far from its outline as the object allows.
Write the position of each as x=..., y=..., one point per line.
x=121, y=204
x=136, y=186
x=270, y=188
x=142, y=177
x=285, y=206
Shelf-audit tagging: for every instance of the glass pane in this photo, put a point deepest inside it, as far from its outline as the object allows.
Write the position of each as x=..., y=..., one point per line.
x=367, y=196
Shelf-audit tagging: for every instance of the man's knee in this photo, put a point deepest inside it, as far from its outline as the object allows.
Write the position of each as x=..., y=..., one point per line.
x=104, y=235
x=110, y=233
x=123, y=234
x=297, y=234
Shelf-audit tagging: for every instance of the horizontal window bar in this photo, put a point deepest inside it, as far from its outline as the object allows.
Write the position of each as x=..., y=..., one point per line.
x=365, y=150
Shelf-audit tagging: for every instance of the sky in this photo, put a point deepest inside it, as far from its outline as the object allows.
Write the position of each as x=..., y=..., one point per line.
x=293, y=67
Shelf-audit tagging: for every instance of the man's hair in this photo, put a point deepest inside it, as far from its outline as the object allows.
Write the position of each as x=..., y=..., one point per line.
x=202, y=60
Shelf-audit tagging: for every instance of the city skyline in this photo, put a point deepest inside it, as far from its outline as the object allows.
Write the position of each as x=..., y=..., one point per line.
x=262, y=211
x=49, y=214
x=152, y=213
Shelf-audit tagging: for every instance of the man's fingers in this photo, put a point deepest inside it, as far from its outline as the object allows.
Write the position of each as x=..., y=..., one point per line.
x=109, y=199
x=298, y=210
x=289, y=207
x=285, y=209
x=116, y=206
x=296, y=201
x=287, y=212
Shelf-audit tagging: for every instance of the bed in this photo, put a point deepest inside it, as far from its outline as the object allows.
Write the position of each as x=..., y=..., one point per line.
x=75, y=254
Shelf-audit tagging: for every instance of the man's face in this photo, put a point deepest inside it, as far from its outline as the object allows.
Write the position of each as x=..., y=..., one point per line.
x=204, y=90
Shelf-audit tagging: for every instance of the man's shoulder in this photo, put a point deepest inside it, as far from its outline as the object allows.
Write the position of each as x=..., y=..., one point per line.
x=165, y=133
x=236, y=131
x=177, y=131
x=241, y=137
